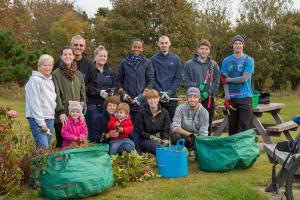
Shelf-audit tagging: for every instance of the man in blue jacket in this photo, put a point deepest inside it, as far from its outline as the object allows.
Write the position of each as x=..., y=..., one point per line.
x=204, y=73
x=135, y=73
x=167, y=72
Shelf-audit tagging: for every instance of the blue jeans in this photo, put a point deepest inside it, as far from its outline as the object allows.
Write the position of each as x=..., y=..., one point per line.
x=92, y=112
x=41, y=140
x=120, y=145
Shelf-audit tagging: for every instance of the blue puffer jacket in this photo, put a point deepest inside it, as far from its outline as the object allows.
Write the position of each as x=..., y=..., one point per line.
x=134, y=79
x=167, y=70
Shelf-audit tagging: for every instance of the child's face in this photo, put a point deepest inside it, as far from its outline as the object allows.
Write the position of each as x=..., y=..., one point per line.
x=75, y=114
x=120, y=114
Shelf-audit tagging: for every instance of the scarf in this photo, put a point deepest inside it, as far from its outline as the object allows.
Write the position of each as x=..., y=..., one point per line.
x=135, y=59
x=69, y=72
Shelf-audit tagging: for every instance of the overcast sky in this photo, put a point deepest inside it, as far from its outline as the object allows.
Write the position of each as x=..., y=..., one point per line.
x=91, y=6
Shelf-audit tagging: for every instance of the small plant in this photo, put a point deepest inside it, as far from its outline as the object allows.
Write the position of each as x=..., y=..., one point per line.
x=130, y=167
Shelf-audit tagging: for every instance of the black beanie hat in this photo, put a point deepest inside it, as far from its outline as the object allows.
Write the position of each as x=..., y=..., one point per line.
x=238, y=38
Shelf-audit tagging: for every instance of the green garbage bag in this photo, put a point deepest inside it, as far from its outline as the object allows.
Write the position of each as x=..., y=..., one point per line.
x=219, y=154
x=77, y=173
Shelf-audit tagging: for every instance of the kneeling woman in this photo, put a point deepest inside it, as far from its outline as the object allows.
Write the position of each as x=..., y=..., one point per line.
x=153, y=123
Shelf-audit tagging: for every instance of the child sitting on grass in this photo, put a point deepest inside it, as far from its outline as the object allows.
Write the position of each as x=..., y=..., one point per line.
x=74, y=132
x=119, y=128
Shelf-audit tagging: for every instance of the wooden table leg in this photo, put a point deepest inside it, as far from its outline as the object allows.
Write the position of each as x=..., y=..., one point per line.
x=222, y=127
x=261, y=130
x=279, y=120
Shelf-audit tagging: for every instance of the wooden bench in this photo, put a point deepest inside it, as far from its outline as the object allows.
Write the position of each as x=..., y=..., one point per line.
x=281, y=157
x=285, y=127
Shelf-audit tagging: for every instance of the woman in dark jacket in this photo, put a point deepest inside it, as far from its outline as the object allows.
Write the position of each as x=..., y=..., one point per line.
x=105, y=88
x=153, y=123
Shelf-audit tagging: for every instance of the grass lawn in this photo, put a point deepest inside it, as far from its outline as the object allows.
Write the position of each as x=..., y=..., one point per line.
x=237, y=185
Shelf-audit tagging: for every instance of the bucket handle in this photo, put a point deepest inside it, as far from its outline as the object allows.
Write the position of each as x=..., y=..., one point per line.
x=65, y=159
x=180, y=145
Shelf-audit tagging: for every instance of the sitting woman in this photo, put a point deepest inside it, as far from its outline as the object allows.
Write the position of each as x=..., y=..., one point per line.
x=120, y=127
x=74, y=132
x=153, y=123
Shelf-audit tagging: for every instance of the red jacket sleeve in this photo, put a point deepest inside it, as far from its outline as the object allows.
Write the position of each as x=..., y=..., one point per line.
x=111, y=123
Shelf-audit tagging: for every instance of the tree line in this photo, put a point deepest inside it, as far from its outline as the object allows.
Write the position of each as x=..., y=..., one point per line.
x=271, y=27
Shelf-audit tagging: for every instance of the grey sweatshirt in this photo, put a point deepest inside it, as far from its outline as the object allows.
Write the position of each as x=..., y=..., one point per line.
x=194, y=122
x=194, y=73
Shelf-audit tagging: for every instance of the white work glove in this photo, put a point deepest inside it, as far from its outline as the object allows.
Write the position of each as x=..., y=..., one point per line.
x=155, y=139
x=103, y=94
x=164, y=98
x=164, y=142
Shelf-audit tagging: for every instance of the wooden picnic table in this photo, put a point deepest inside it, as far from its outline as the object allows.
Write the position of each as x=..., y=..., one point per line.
x=272, y=108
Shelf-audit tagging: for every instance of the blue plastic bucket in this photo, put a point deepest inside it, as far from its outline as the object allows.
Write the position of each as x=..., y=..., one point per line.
x=172, y=161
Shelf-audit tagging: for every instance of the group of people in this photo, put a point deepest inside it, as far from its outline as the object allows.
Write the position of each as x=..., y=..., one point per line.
x=136, y=108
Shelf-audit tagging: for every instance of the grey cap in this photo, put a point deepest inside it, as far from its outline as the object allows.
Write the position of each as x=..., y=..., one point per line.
x=193, y=91
x=238, y=38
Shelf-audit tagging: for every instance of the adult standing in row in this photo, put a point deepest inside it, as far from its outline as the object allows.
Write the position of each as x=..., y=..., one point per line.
x=40, y=102
x=167, y=72
x=69, y=86
x=105, y=87
x=89, y=73
x=135, y=73
x=237, y=70
x=204, y=73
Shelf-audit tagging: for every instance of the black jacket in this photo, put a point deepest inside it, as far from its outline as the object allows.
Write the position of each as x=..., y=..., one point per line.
x=99, y=128
x=89, y=74
x=157, y=125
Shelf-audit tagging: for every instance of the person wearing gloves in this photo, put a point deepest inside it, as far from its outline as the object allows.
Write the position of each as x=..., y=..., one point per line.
x=69, y=86
x=74, y=132
x=167, y=72
x=119, y=128
x=153, y=123
x=135, y=73
x=40, y=102
x=190, y=120
x=203, y=72
x=237, y=70
x=106, y=87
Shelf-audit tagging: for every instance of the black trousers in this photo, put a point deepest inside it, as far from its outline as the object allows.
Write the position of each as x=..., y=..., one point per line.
x=211, y=112
x=59, y=138
x=240, y=118
x=171, y=108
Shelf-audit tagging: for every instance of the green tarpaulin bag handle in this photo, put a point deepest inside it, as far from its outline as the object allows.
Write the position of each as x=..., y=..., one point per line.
x=65, y=159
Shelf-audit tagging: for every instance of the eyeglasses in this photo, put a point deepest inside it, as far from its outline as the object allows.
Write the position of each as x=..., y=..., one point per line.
x=76, y=45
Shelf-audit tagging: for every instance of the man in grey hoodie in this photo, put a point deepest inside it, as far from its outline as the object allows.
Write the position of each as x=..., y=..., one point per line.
x=204, y=73
x=190, y=119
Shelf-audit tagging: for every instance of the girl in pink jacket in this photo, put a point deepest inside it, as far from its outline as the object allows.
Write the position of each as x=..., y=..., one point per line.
x=74, y=131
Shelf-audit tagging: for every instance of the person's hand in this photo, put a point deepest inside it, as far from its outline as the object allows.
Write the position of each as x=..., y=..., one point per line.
x=63, y=119
x=127, y=98
x=44, y=129
x=117, y=123
x=164, y=98
x=165, y=142
x=103, y=94
x=155, y=139
x=223, y=80
x=136, y=101
x=227, y=104
x=120, y=129
x=81, y=138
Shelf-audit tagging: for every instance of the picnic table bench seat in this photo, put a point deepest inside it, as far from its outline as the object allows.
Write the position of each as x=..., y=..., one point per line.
x=279, y=128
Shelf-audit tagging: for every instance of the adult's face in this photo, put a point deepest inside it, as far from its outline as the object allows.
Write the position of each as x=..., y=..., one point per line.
x=193, y=101
x=46, y=68
x=79, y=46
x=101, y=57
x=153, y=102
x=164, y=44
x=137, y=48
x=67, y=56
x=203, y=51
x=111, y=108
x=238, y=47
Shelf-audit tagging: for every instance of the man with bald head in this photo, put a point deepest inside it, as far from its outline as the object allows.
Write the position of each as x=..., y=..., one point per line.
x=167, y=72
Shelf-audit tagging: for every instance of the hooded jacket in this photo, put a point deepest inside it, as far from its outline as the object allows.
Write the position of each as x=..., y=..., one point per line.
x=40, y=98
x=125, y=124
x=194, y=73
x=73, y=130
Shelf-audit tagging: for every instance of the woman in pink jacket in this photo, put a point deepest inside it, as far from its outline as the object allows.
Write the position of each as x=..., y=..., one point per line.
x=74, y=132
